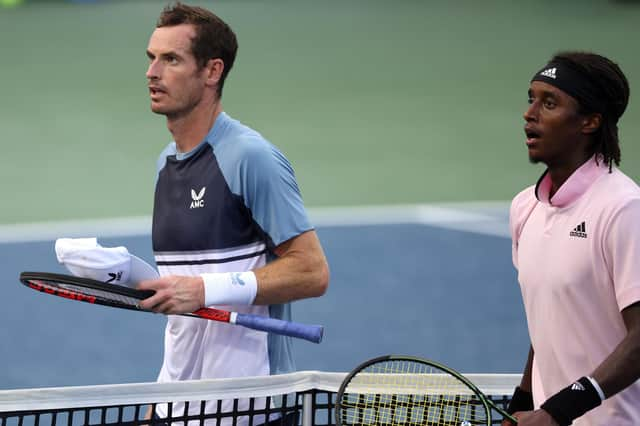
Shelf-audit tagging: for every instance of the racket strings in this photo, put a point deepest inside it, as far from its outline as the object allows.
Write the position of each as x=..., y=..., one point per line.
x=103, y=294
x=403, y=392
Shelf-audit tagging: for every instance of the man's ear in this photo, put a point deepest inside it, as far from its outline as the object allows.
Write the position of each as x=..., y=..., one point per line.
x=214, y=69
x=591, y=123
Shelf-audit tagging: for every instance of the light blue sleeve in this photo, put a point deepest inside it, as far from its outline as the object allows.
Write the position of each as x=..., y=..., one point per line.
x=266, y=181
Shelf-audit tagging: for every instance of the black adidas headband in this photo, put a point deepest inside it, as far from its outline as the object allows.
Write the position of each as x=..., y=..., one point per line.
x=575, y=83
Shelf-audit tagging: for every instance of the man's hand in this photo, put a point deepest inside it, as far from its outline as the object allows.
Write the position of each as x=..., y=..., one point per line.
x=507, y=422
x=174, y=294
x=532, y=418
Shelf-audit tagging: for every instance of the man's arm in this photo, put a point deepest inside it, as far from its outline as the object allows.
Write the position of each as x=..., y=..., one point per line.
x=525, y=382
x=622, y=367
x=619, y=370
x=301, y=271
x=522, y=399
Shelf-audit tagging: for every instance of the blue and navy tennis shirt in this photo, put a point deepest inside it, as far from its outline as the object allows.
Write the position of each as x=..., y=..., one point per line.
x=224, y=207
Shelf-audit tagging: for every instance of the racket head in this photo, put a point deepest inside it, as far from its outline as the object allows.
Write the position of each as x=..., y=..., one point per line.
x=85, y=289
x=402, y=390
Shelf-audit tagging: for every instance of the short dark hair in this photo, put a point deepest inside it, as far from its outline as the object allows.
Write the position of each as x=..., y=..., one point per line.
x=214, y=38
x=612, y=88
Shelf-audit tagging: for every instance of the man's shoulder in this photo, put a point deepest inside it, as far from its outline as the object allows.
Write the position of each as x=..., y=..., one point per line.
x=242, y=144
x=615, y=190
x=242, y=135
x=524, y=199
x=621, y=184
x=168, y=150
x=521, y=207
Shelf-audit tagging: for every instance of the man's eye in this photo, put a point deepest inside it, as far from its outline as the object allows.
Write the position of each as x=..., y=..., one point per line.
x=549, y=104
x=530, y=101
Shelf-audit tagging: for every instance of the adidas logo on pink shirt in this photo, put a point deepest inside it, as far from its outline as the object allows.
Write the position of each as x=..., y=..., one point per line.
x=579, y=231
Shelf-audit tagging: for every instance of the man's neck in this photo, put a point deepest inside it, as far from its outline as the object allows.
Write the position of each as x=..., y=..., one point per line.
x=189, y=130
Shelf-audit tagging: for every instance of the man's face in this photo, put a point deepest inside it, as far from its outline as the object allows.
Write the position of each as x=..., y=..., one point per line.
x=553, y=125
x=175, y=82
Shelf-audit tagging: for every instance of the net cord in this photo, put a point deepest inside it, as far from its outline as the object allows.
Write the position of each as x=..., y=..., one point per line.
x=197, y=390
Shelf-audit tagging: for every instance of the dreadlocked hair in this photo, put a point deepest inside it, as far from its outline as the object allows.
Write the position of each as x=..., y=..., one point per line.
x=613, y=88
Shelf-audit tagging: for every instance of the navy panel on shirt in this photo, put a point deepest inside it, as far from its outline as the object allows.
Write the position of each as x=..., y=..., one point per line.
x=194, y=208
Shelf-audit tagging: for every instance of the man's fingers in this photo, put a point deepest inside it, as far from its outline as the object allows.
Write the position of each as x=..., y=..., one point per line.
x=161, y=302
x=173, y=295
x=152, y=303
x=507, y=422
x=151, y=284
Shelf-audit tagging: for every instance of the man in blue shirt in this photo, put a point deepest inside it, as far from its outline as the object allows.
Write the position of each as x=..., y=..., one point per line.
x=229, y=225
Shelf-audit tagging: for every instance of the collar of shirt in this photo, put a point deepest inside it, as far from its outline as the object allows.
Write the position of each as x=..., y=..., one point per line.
x=576, y=185
x=211, y=137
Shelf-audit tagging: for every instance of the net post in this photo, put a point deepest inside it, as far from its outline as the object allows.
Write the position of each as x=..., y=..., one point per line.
x=307, y=409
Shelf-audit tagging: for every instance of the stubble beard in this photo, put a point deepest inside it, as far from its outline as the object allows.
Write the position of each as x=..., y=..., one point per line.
x=176, y=112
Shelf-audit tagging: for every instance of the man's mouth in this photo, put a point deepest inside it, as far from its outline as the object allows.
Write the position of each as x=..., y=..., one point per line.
x=154, y=90
x=532, y=136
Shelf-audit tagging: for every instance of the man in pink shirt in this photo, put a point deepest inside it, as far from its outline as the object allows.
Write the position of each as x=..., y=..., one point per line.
x=576, y=246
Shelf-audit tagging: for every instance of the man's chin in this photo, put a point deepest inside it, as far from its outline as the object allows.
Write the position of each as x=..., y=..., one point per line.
x=534, y=158
x=158, y=109
x=169, y=112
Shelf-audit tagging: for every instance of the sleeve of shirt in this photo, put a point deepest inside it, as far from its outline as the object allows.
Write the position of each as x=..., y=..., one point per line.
x=271, y=193
x=521, y=207
x=162, y=158
x=622, y=247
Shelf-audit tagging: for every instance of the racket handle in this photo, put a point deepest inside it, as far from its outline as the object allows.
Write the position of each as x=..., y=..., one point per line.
x=310, y=332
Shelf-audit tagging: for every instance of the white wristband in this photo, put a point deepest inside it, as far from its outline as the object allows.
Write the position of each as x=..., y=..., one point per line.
x=229, y=288
x=597, y=387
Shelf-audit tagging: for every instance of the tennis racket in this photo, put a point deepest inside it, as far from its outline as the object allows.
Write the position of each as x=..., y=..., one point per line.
x=399, y=390
x=99, y=293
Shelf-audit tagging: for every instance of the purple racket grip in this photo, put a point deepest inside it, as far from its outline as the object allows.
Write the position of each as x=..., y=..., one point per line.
x=310, y=332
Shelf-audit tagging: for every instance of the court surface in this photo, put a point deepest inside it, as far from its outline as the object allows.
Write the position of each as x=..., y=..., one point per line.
x=432, y=281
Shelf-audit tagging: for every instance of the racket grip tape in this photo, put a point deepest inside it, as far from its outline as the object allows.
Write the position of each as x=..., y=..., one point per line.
x=310, y=332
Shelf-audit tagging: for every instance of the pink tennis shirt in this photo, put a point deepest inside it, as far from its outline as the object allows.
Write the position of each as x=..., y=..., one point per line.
x=578, y=261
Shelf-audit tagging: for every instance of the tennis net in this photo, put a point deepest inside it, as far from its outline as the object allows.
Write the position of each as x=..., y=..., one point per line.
x=305, y=398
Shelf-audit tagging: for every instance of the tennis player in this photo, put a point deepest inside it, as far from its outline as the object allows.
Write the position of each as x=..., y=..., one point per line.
x=576, y=246
x=229, y=225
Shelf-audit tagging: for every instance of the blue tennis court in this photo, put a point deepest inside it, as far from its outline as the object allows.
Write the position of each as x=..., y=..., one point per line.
x=428, y=281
